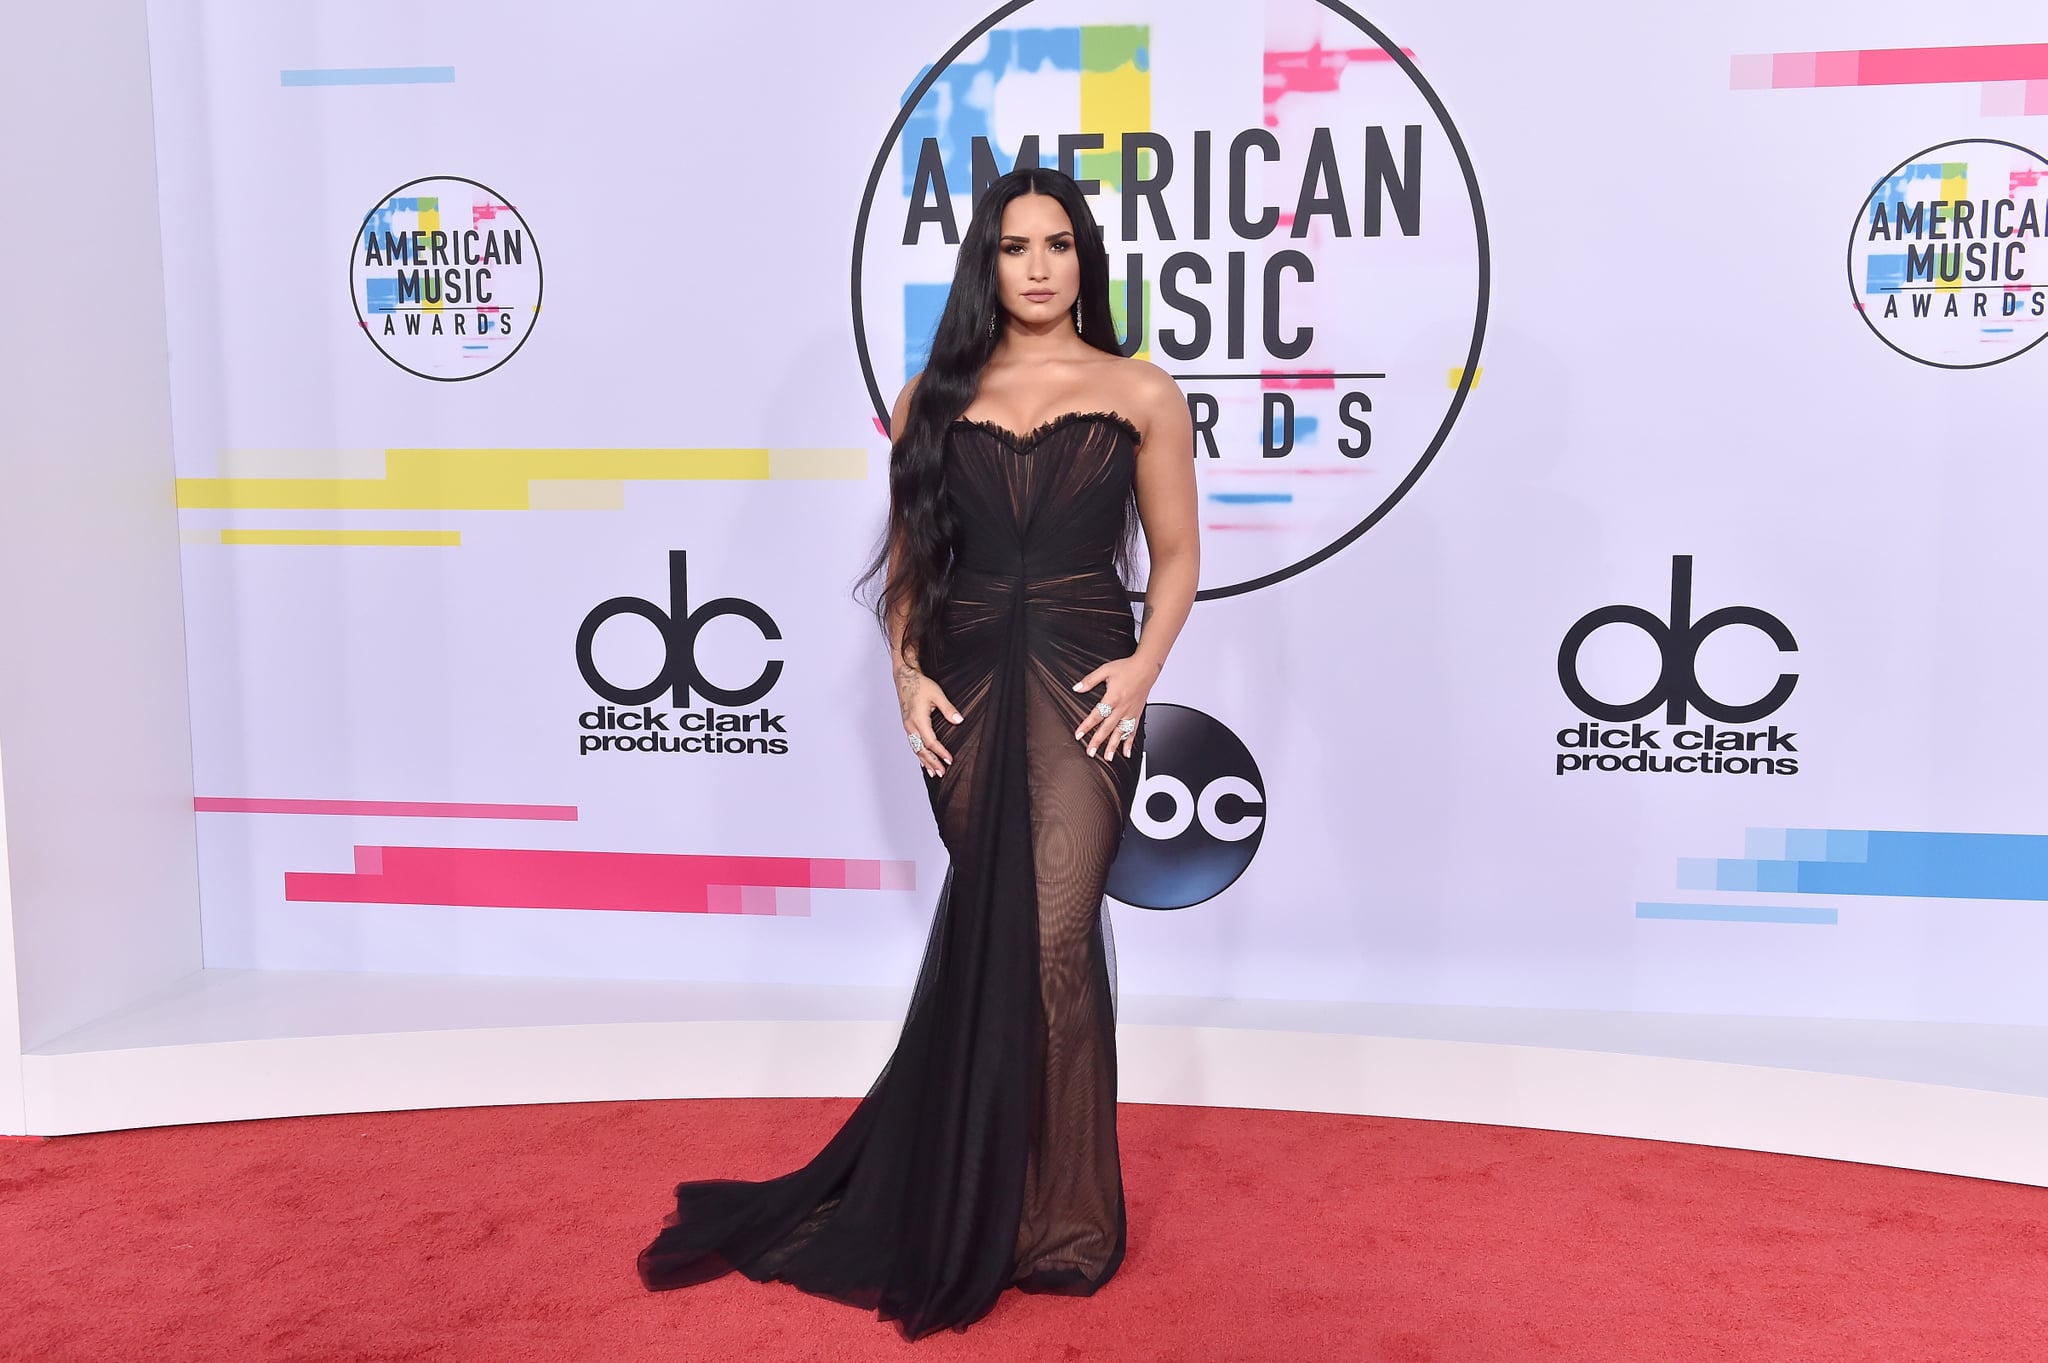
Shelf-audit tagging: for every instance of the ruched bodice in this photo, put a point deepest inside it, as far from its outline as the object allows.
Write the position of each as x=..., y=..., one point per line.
x=1051, y=502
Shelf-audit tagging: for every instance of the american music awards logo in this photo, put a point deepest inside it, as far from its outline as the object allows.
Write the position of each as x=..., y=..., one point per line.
x=1946, y=260
x=1294, y=233
x=445, y=277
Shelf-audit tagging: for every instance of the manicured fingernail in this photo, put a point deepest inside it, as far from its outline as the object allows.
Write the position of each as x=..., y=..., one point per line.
x=956, y=718
x=1091, y=752
x=1077, y=686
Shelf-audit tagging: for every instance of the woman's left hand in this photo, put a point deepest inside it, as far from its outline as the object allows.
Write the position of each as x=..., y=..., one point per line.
x=1126, y=682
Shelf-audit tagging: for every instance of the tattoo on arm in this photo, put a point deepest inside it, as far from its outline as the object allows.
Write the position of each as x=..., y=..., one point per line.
x=906, y=683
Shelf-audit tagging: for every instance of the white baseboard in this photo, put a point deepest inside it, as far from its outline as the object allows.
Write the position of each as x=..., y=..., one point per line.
x=237, y=1045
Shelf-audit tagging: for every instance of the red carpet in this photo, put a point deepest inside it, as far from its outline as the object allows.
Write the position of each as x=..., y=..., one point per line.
x=508, y=1234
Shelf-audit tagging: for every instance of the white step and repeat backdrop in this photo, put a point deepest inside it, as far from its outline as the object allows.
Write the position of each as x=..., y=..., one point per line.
x=1618, y=445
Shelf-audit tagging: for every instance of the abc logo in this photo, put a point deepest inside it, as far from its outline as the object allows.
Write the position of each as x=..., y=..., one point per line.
x=1196, y=821
x=679, y=673
x=1678, y=643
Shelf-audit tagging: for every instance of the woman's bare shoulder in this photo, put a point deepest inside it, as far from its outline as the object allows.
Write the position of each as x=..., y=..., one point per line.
x=1147, y=392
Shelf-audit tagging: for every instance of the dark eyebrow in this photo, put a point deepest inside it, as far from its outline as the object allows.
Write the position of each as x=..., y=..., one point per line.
x=1049, y=236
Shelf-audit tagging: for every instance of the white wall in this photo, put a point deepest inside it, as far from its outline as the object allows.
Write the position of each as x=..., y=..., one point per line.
x=1660, y=382
x=13, y=1115
x=95, y=725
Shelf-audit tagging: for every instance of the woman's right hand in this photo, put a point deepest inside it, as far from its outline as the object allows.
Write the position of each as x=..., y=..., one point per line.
x=919, y=695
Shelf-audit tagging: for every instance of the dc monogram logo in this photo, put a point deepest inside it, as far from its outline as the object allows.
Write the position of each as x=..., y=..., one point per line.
x=679, y=626
x=1196, y=821
x=1678, y=642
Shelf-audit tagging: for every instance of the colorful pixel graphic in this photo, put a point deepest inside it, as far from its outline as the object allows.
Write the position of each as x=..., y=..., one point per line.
x=2013, y=76
x=633, y=882
x=1858, y=861
x=1113, y=63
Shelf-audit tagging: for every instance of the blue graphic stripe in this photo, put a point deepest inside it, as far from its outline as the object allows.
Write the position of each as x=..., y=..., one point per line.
x=922, y=306
x=1912, y=865
x=1806, y=844
x=1737, y=913
x=369, y=75
x=1251, y=496
x=1884, y=273
x=1304, y=430
x=953, y=114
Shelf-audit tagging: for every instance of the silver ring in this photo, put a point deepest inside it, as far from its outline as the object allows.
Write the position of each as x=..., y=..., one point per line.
x=1105, y=708
x=1128, y=727
x=917, y=742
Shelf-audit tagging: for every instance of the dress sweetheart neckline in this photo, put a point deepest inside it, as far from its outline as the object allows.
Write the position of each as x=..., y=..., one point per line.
x=1049, y=425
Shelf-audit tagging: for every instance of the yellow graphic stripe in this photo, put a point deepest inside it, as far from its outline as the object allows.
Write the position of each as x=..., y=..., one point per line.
x=502, y=480
x=1116, y=94
x=429, y=538
x=1955, y=187
x=430, y=221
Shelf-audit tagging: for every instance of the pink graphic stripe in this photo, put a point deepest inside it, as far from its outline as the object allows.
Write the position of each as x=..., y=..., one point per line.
x=1308, y=379
x=2010, y=98
x=1889, y=66
x=1348, y=470
x=395, y=809
x=640, y=882
x=1313, y=70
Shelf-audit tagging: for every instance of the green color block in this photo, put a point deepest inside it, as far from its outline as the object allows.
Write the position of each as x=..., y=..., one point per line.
x=1117, y=313
x=1105, y=47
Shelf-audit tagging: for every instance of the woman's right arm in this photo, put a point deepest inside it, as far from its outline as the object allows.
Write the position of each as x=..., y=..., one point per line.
x=916, y=693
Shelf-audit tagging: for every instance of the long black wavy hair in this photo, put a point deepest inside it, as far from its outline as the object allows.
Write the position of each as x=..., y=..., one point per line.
x=921, y=527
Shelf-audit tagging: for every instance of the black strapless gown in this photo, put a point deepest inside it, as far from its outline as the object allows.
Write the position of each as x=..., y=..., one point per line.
x=985, y=1154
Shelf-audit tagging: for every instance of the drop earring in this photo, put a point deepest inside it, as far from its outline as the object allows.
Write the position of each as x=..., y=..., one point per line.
x=1077, y=314
x=992, y=321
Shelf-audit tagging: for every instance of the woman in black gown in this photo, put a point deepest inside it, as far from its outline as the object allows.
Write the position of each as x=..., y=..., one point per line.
x=985, y=1155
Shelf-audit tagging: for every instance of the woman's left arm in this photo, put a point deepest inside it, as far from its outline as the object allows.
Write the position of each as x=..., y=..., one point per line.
x=1165, y=484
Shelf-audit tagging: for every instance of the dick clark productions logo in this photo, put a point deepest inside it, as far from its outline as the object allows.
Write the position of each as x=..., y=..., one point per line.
x=632, y=724
x=1614, y=739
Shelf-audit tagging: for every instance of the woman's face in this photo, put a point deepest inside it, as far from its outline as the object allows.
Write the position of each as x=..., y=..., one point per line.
x=1038, y=271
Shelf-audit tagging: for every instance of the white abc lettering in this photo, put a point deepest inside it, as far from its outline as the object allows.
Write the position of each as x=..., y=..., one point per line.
x=1187, y=808
x=1141, y=812
x=1230, y=830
